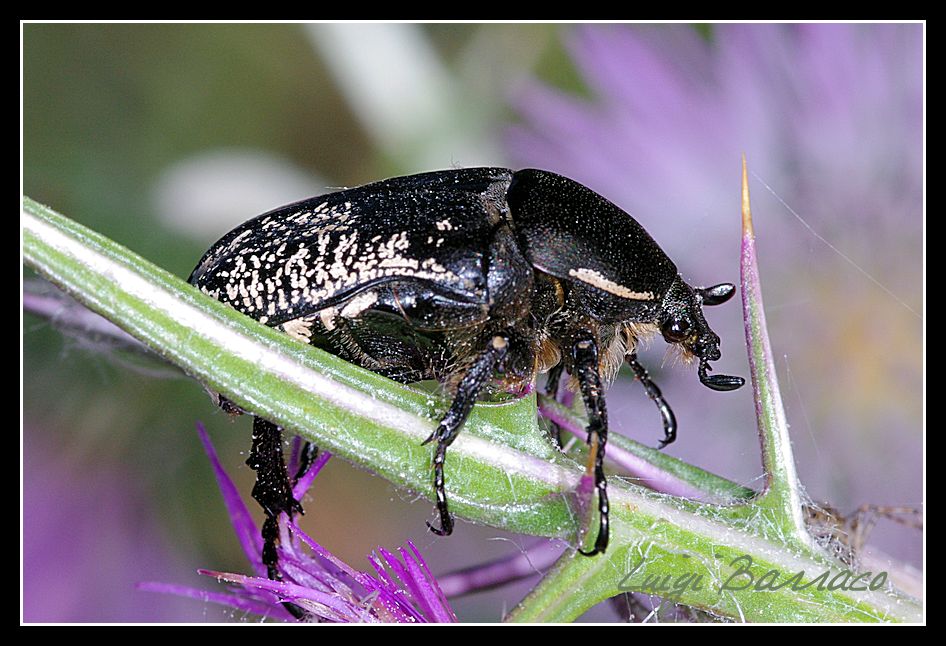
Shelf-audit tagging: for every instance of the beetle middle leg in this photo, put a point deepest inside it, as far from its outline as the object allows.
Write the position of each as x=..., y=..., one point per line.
x=585, y=368
x=469, y=388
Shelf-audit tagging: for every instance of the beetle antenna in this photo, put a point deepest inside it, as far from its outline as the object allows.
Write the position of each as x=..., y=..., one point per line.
x=717, y=294
x=718, y=382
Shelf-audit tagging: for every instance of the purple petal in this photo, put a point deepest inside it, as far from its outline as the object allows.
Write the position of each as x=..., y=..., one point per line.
x=303, y=484
x=417, y=588
x=425, y=589
x=323, y=604
x=392, y=594
x=390, y=600
x=239, y=602
x=435, y=584
x=246, y=530
x=315, y=579
x=323, y=553
x=383, y=577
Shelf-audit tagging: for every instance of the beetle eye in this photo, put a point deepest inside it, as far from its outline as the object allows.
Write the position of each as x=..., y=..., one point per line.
x=676, y=330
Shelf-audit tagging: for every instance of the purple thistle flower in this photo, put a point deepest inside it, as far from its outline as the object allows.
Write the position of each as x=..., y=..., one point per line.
x=402, y=589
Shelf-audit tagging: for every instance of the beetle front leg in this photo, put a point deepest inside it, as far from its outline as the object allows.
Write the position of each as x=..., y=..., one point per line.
x=473, y=381
x=669, y=419
x=585, y=368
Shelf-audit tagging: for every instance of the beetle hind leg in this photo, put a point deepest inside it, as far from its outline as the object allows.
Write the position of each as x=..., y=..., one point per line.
x=273, y=492
x=447, y=430
x=273, y=489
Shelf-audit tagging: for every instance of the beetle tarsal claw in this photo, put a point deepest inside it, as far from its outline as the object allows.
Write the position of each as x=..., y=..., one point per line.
x=445, y=531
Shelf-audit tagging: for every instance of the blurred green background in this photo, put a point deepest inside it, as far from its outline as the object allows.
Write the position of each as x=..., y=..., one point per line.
x=163, y=137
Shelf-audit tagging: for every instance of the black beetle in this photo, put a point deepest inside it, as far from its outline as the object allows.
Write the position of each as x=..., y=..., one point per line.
x=479, y=278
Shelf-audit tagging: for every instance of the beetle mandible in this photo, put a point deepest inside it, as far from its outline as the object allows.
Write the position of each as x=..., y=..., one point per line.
x=480, y=278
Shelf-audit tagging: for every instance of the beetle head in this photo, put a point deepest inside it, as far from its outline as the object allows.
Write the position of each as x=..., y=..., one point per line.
x=683, y=323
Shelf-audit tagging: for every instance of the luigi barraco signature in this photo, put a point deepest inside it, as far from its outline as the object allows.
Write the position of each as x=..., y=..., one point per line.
x=743, y=578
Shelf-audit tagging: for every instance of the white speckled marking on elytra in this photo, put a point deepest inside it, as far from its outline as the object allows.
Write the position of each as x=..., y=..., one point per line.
x=310, y=257
x=595, y=279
